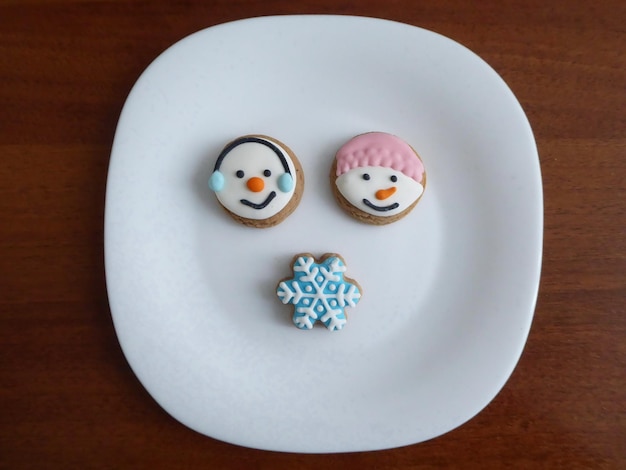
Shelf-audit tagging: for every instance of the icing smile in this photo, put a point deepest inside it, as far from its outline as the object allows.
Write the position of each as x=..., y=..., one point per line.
x=390, y=207
x=262, y=205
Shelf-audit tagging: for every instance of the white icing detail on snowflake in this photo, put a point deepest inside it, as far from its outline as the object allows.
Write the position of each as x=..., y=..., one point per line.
x=287, y=295
x=319, y=297
x=332, y=321
x=303, y=322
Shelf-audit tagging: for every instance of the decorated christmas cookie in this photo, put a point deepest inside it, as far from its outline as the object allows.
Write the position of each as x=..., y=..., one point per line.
x=377, y=178
x=319, y=291
x=258, y=180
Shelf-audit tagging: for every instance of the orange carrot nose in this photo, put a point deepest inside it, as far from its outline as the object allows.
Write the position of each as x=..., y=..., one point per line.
x=382, y=194
x=255, y=184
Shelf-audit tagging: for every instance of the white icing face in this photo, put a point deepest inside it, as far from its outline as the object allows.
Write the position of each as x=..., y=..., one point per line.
x=379, y=191
x=251, y=187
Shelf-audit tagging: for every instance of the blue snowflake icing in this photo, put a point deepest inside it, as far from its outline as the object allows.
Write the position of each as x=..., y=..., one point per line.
x=319, y=292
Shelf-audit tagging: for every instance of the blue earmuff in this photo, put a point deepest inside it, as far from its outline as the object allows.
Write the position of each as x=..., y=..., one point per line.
x=216, y=181
x=285, y=182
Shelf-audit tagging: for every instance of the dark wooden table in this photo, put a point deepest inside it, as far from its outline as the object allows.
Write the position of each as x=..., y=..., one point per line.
x=67, y=396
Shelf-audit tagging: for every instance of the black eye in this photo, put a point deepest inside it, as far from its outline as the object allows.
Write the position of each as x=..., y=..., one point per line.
x=394, y=178
x=240, y=174
x=267, y=173
x=366, y=177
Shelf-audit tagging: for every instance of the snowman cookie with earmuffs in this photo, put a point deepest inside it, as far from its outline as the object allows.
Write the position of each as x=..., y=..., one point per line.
x=377, y=178
x=258, y=180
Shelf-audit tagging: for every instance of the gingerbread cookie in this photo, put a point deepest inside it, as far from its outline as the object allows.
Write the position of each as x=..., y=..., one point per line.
x=319, y=291
x=258, y=180
x=377, y=178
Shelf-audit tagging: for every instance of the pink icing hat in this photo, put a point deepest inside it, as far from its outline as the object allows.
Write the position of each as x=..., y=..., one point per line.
x=379, y=149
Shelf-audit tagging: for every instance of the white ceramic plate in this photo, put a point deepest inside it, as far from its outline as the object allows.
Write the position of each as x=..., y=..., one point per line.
x=449, y=291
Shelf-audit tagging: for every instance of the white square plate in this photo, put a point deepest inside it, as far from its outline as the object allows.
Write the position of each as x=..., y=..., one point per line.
x=448, y=292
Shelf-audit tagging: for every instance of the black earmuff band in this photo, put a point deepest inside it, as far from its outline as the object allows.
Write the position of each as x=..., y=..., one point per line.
x=245, y=140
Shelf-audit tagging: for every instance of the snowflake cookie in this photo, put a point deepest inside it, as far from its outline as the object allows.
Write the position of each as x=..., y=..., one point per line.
x=319, y=291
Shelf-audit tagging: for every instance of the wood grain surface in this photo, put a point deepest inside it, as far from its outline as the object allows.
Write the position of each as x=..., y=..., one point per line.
x=68, y=399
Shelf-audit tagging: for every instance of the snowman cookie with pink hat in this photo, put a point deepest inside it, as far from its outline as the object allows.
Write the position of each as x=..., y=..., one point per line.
x=377, y=178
